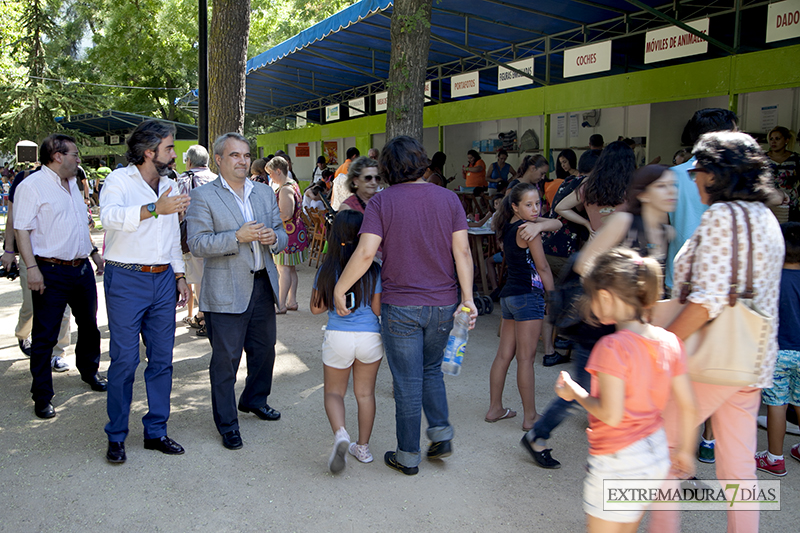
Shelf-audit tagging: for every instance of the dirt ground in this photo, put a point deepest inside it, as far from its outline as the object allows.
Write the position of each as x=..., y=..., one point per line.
x=54, y=477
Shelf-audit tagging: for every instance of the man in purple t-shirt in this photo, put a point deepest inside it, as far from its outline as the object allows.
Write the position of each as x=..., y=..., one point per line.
x=423, y=230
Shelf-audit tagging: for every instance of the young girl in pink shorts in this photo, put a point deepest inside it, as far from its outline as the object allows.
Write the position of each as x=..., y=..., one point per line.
x=633, y=373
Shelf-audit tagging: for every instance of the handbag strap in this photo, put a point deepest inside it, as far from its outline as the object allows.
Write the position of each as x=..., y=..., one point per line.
x=733, y=295
x=748, y=289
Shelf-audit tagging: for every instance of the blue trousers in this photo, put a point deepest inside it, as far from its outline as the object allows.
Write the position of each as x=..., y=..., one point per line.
x=558, y=409
x=139, y=303
x=64, y=285
x=414, y=338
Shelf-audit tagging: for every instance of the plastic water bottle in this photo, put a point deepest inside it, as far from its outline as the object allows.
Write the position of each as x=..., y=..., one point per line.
x=454, y=351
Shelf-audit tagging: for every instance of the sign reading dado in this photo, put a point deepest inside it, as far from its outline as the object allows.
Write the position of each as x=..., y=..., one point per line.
x=673, y=42
x=783, y=20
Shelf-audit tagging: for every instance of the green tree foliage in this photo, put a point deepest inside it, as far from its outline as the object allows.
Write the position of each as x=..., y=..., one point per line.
x=274, y=21
x=65, y=57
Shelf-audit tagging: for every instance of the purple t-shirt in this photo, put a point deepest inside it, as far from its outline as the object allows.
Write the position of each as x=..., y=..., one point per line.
x=416, y=222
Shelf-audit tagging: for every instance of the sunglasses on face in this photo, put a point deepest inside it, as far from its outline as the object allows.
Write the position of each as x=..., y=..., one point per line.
x=369, y=177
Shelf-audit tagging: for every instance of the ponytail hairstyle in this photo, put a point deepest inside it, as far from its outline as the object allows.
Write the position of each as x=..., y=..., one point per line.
x=506, y=211
x=628, y=276
x=536, y=161
x=342, y=243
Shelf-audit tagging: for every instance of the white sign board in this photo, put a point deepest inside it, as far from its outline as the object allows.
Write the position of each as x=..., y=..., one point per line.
x=783, y=20
x=380, y=101
x=114, y=139
x=100, y=140
x=464, y=84
x=587, y=59
x=561, y=125
x=356, y=107
x=769, y=117
x=506, y=79
x=332, y=113
x=428, y=89
x=673, y=42
x=302, y=119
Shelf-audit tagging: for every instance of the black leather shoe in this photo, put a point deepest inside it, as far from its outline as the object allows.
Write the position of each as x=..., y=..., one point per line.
x=98, y=383
x=264, y=413
x=44, y=411
x=554, y=359
x=25, y=346
x=116, y=453
x=164, y=445
x=232, y=440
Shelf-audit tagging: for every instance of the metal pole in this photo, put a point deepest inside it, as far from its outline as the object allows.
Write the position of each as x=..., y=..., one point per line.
x=202, y=86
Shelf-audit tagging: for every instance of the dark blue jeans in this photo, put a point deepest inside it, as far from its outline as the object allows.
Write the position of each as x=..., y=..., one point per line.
x=414, y=338
x=558, y=409
x=139, y=303
x=64, y=285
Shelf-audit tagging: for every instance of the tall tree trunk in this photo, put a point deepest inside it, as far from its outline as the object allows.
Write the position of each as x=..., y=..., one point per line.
x=411, y=34
x=227, y=52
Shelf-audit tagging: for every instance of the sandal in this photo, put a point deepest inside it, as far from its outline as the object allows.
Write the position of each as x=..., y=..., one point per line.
x=201, y=332
x=281, y=311
x=294, y=307
x=509, y=413
x=193, y=321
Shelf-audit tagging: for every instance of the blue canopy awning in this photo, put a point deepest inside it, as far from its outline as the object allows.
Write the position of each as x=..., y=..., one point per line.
x=347, y=55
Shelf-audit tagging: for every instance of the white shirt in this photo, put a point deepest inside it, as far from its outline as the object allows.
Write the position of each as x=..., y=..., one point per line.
x=247, y=213
x=340, y=191
x=317, y=174
x=154, y=241
x=56, y=218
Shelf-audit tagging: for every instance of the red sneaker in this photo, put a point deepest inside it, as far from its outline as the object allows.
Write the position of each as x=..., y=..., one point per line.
x=778, y=468
x=795, y=452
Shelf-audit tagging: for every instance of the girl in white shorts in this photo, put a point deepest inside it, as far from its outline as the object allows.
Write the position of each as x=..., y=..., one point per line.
x=633, y=371
x=352, y=341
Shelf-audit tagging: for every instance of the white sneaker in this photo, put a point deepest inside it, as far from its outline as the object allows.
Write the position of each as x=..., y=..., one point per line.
x=361, y=452
x=338, y=458
x=58, y=364
x=794, y=429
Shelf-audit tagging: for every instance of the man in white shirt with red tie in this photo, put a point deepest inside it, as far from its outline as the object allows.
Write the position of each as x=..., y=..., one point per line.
x=139, y=209
x=53, y=239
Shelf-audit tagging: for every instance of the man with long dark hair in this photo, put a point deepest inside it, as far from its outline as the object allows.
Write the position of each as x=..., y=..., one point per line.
x=139, y=209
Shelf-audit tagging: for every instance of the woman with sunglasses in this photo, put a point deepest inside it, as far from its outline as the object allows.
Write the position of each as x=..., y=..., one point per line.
x=362, y=181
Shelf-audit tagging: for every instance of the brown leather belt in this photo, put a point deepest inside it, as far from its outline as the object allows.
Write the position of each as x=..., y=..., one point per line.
x=73, y=263
x=153, y=269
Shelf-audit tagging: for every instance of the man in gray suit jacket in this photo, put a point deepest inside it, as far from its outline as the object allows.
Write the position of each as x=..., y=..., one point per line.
x=234, y=224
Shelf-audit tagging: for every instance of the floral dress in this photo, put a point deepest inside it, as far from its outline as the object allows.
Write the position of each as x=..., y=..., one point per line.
x=786, y=179
x=295, y=252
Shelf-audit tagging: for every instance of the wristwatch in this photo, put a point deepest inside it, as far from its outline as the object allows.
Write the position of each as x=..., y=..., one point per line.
x=152, y=208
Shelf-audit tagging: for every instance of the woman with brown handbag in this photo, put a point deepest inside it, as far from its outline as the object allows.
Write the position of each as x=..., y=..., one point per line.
x=738, y=248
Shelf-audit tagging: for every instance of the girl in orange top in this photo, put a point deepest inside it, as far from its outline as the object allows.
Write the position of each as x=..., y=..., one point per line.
x=475, y=171
x=633, y=373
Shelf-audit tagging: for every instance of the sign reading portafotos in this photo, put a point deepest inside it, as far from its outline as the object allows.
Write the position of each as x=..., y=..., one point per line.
x=673, y=42
x=506, y=78
x=587, y=59
x=783, y=20
x=332, y=112
x=465, y=84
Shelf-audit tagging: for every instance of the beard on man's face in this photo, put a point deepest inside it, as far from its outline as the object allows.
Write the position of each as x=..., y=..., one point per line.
x=161, y=167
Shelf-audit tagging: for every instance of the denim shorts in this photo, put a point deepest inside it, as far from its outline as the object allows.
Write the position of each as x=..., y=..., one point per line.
x=785, y=380
x=522, y=307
